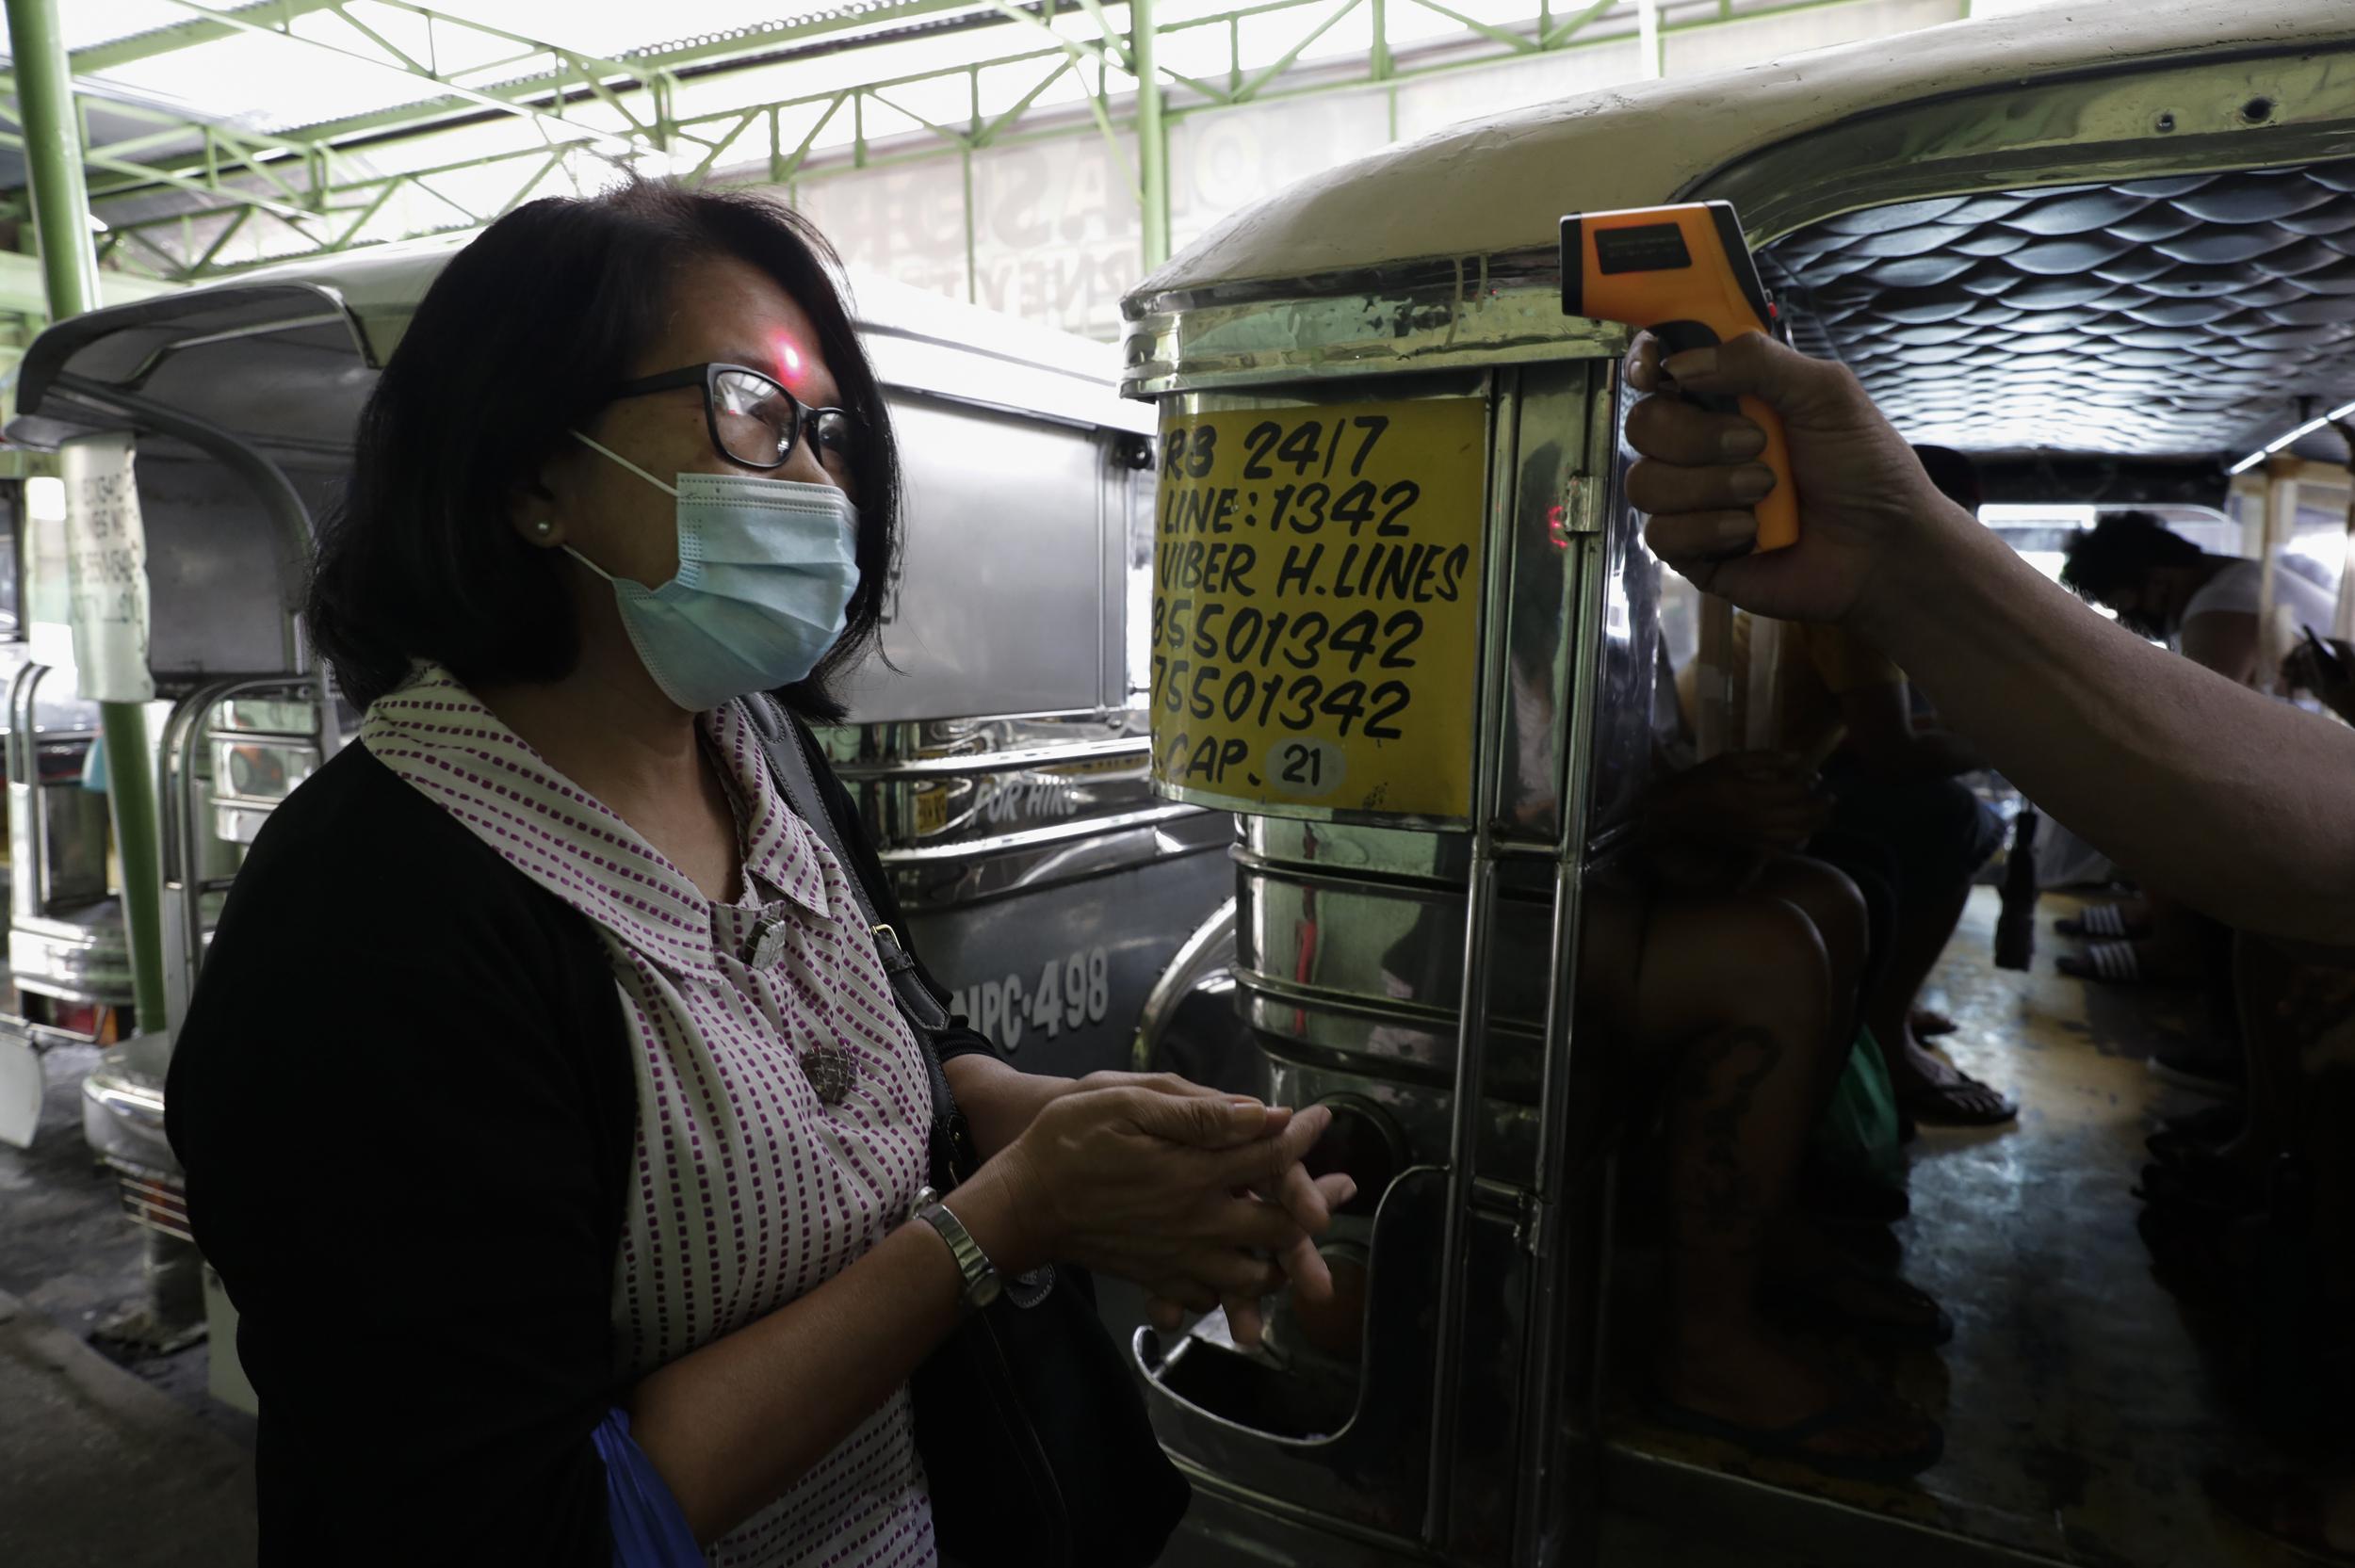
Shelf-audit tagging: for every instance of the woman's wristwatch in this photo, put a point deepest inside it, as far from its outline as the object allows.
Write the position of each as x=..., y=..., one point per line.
x=982, y=1284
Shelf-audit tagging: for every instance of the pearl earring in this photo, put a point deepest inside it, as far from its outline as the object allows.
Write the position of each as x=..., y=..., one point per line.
x=542, y=527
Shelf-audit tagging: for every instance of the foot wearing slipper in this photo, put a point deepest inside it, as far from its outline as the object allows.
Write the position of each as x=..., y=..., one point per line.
x=1934, y=1092
x=1768, y=1400
x=2128, y=963
x=1928, y=1024
x=2106, y=922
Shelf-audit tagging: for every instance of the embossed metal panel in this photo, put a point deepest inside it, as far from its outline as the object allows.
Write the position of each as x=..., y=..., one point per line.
x=2172, y=316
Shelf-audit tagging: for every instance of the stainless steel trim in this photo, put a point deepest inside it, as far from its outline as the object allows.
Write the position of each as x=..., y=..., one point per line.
x=1445, y=314
x=1472, y=1044
x=956, y=766
x=1210, y=948
x=1038, y=838
x=262, y=328
x=1548, y=1175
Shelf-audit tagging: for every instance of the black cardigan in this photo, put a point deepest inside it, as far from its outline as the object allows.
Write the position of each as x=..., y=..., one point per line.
x=405, y=1104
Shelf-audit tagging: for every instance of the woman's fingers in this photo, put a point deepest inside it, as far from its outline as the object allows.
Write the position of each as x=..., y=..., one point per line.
x=1304, y=1198
x=1261, y=1164
x=1245, y=1322
x=1186, y=1293
x=1305, y=1267
x=1230, y=1272
x=1164, y=1313
x=1253, y=1222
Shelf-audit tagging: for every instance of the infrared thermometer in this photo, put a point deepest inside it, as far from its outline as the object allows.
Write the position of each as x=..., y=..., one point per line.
x=1684, y=273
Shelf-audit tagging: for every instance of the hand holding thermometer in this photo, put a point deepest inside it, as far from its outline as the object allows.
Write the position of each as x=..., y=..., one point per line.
x=1685, y=274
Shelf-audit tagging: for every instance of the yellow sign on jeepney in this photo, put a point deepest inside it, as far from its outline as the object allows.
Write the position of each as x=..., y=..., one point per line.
x=1316, y=606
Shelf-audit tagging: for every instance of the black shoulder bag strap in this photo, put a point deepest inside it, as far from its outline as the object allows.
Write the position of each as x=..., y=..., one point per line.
x=953, y=1157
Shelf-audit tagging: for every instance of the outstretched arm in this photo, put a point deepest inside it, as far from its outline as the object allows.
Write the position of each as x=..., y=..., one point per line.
x=2240, y=806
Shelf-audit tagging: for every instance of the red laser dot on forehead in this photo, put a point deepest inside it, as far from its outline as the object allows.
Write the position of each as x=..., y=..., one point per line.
x=794, y=362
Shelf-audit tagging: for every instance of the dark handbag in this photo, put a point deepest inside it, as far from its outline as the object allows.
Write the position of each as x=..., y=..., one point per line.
x=1036, y=1441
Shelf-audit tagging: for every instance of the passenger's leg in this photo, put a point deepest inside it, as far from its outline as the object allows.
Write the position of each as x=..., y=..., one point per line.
x=1938, y=835
x=1743, y=985
x=1835, y=907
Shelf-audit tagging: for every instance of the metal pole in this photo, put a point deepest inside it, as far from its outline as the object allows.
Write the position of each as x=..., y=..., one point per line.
x=1152, y=136
x=53, y=167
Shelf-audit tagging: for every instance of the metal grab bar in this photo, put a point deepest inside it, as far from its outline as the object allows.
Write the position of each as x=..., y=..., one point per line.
x=176, y=786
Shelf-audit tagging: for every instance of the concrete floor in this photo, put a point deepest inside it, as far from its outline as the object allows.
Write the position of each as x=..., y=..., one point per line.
x=122, y=1464
x=2079, y=1414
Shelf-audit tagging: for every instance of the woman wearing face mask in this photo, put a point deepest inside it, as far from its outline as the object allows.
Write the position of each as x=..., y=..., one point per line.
x=543, y=1105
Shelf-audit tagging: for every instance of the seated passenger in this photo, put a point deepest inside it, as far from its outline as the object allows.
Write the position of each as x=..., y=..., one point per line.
x=2207, y=607
x=1899, y=818
x=2325, y=667
x=1742, y=964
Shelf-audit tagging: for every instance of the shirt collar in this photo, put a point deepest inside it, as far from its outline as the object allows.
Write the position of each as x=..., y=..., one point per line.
x=436, y=736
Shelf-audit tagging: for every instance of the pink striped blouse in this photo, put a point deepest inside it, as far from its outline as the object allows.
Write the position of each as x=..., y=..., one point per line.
x=751, y=1189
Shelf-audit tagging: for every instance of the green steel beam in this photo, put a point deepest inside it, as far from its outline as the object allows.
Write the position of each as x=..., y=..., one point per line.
x=573, y=129
x=53, y=161
x=1519, y=43
x=1258, y=80
x=304, y=177
x=1112, y=38
x=185, y=35
x=1152, y=139
x=571, y=75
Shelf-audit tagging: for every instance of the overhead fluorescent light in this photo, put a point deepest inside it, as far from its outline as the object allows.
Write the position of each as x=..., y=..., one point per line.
x=2253, y=459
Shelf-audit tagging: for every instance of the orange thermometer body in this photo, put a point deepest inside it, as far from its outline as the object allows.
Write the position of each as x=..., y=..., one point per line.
x=1685, y=274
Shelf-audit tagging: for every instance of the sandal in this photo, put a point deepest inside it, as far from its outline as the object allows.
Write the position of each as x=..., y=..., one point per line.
x=1928, y=1024
x=1964, y=1102
x=2282, y=1507
x=2107, y=922
x=1791, y=1443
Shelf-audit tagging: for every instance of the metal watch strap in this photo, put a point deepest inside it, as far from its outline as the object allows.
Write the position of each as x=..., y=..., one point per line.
x=982, y=1283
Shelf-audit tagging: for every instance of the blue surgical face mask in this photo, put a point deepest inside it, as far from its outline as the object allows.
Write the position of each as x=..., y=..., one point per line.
x=766, y=567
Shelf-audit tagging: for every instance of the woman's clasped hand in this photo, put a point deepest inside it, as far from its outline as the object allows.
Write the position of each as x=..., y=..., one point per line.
x=1198, y=1195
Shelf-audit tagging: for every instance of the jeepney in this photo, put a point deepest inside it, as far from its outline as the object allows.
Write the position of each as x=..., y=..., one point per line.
x=1406, y=629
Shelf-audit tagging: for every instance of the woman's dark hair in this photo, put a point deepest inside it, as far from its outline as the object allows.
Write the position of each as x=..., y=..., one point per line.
x=518, y=341
x=2116, y=554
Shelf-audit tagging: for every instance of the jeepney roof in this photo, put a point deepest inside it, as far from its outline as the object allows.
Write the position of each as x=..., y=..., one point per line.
x=1502, y=184
x=285, y=353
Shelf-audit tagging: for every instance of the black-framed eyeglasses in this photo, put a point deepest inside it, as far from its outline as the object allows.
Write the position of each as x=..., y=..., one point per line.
x=753, y=420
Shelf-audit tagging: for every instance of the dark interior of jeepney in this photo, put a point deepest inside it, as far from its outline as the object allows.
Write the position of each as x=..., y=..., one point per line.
x=2099, y=1139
